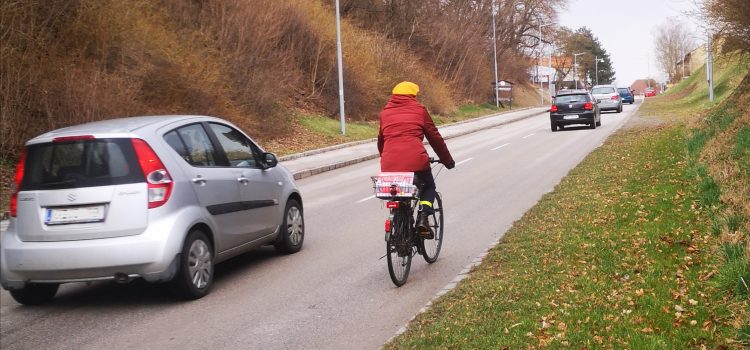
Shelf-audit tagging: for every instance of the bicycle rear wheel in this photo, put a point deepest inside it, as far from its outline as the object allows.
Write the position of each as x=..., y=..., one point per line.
x=399, y=249
x=431, y=247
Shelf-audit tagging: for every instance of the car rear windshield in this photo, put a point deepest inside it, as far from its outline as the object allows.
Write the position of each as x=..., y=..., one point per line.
x=603, y=90
x=81, y=163
x=571, y=98
x=624, y=91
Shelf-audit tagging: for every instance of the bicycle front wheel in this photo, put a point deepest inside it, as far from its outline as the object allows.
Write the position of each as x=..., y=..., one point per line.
x=431, y=247
x=399, y=250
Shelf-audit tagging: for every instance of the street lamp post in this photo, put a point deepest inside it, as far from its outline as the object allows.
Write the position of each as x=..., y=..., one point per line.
x=341, y=73
x=541, y=43
x=596, y=67
x=575, y=68
x=710, y=68
x=494, y=47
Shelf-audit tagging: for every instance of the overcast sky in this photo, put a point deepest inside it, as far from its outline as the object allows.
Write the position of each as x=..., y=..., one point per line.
x=626, y=30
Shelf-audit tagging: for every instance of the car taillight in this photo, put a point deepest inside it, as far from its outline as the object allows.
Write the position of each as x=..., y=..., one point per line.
x=20, y=168
x=553, y=108
x=614, y=97
x=588, y=106
x=157, y=177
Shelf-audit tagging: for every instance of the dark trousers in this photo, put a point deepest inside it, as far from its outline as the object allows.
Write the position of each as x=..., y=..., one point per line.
x=427, y=192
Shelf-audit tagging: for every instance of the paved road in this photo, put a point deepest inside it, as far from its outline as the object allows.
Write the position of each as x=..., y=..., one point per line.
x=335, y=293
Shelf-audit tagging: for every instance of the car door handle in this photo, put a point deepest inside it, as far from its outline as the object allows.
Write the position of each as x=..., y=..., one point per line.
x=243, y=180
x=199, y=180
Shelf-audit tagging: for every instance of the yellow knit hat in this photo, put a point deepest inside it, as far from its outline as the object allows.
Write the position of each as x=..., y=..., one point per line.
x=406, y=88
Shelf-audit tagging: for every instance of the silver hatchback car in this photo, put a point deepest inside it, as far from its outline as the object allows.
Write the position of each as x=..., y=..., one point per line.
x=607, y=97
x=163, y=198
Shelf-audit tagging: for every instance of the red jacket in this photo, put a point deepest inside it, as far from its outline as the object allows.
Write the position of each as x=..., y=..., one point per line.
x=404, y=123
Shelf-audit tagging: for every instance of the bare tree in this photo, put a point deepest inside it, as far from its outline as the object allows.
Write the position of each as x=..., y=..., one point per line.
x=733, y=19
x=672, y=40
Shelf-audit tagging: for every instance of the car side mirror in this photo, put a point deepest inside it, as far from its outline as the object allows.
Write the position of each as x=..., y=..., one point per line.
x=269, y=159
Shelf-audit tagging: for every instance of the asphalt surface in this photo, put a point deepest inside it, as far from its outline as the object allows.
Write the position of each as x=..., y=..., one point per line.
x=335, y=293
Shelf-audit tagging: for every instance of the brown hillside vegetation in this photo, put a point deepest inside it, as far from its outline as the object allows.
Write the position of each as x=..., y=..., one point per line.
x=64, y=62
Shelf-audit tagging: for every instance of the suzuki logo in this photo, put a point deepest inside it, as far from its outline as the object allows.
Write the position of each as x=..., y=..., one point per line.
x=71, y=197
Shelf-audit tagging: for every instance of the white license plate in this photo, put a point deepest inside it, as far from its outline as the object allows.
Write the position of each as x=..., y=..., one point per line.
x=570, y=117
x=58, y=216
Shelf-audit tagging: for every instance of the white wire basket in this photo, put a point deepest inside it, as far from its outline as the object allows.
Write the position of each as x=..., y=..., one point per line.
x=390, y=185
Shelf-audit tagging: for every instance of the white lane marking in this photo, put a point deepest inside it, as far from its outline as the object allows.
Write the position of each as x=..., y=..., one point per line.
x=501, y=146
x=365, y=199
x=464, y=161
x=529, y=135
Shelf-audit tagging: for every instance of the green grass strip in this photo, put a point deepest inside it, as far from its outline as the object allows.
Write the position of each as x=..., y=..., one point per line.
x=618, y=256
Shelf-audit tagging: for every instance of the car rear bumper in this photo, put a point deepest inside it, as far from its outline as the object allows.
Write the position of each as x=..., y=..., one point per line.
x=150, y=255
x=566, y=119
x=609, y=104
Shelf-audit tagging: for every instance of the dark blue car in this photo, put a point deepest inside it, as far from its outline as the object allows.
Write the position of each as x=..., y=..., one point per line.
x=627, y=96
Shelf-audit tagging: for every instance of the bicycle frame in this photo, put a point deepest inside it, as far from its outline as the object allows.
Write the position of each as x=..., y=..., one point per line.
x=405, y=208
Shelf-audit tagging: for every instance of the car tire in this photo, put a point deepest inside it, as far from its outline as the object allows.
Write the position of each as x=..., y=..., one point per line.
x=292, y=229
x=553, y=126
x=619, y=109
x=35, y=293
x=599, y=122
x=592, y=125
x=195, y=275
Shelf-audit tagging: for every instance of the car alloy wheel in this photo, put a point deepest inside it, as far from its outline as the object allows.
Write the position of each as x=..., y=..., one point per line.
x=294, y=225
x=196, y=272
x=292, y=229
x=199, y=264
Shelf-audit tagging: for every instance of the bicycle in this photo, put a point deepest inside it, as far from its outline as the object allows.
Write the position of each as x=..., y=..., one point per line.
x=401, y=191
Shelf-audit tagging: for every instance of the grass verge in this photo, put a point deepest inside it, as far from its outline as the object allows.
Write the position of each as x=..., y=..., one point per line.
x=625, y=263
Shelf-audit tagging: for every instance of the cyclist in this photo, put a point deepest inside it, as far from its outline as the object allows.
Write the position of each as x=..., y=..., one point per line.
x=404, y=122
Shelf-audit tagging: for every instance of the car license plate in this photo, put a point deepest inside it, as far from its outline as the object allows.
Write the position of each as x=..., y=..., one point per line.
x=58, y=216
x=570, y=117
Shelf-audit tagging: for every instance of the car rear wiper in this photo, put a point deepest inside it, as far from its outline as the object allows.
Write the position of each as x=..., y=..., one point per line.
x=58, y=183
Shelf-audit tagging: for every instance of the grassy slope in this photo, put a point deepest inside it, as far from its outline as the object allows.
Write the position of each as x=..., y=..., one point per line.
x=636, y=261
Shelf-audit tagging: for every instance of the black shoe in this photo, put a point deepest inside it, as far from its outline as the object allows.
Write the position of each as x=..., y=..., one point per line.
x=423, y=227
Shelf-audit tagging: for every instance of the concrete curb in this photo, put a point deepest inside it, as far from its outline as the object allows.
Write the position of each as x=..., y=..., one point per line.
x=301, y=174
x=355, y=143
x=324, y=149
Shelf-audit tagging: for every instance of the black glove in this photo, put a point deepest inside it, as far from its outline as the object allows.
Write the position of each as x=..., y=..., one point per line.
x=451, y=165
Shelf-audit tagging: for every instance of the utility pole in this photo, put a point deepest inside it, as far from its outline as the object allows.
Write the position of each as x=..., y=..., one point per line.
x=575, y=68
x=710, y=68
x=648, y=64
x=541, y=43
x=683, y=62
x=494, y=47
x=341, y=72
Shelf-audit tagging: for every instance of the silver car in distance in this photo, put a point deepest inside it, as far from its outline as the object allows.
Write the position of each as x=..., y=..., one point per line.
x=163, y=198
